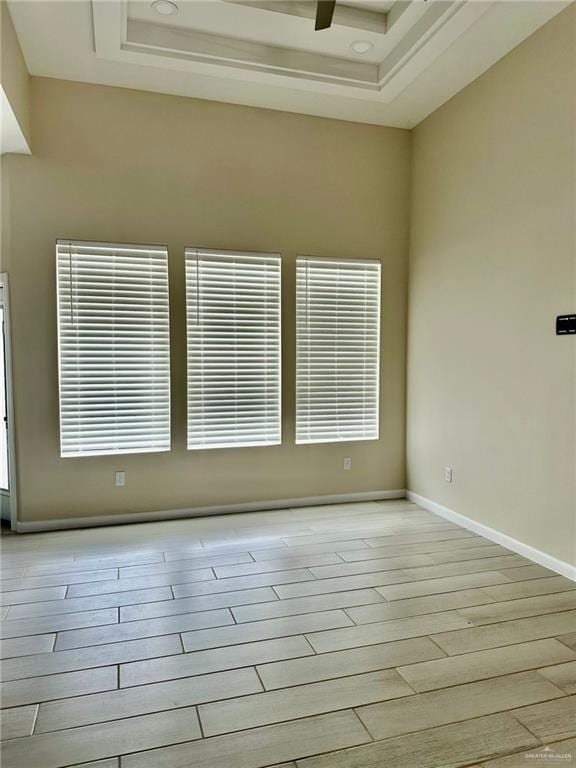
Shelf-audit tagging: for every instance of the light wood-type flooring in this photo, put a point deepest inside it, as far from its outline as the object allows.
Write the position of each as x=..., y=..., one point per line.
x=372, y=635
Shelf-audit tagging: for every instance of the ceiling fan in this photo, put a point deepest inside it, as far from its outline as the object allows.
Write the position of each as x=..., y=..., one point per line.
x=324, y=13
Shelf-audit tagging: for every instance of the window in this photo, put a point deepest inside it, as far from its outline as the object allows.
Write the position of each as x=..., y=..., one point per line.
x=113, y=333
x=3, y=401
x=338, y=343
x=233, y=324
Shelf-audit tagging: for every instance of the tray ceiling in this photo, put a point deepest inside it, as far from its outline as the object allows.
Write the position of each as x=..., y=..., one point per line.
x=266, y=52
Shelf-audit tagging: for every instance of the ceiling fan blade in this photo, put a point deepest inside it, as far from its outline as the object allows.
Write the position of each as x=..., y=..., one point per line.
x=324, y=13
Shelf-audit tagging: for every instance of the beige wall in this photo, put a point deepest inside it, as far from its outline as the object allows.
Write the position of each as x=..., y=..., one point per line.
x=491, y=389
x=13, y=73
x=120, y=165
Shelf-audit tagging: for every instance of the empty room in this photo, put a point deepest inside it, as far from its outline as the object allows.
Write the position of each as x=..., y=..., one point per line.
x=287, y=383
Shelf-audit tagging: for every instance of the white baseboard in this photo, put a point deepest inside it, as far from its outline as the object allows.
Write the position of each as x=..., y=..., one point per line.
x=34, y=526
x=559, y=566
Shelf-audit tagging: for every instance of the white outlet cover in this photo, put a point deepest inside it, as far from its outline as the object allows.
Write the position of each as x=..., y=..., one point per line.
x=348, y=463
x=120, y=479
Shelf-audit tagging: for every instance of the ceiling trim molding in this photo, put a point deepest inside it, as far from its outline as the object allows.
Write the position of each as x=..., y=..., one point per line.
x=431, y=35
x=215, y=50
x=423, y=32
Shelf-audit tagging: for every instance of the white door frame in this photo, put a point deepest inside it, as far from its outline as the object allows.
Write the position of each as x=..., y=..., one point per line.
x=9, y=403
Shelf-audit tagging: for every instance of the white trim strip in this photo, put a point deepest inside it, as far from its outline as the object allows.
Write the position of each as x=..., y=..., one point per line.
x=536, y=555
x=224, y=509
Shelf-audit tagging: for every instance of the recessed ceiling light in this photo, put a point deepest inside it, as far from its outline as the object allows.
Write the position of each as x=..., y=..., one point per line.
x=361, y=46
x=165, y=7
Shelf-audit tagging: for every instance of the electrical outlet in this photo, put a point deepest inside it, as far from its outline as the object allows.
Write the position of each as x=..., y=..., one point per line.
x=448, y=474
x=120, y=479
x=348, y=463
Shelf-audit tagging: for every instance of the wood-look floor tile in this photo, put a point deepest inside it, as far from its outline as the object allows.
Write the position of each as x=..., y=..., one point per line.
x=355, y=661
x=187, y=564
x=17, y=722
x=416, y=606
x=340, y=584
x=281, y=563
x=58, y=622
x=476, y=565
x=449, y=746
x=520, y=608
x=563, y=752
x=26, y=646
x=94, y=742
x=284, y=765
x=452, y=705
x=38, y=582
x=242, y=582
x=89, y=658
x=122, y=561
x=310, y=549
x=367, y=527
x=264, y=630
x=569, y=640
x=34, y=562
x=259, y=746
x=301, y=701
x=368, y=566
x=234, y=546
x=419, y=538
x=363, y=526
x=527, y=572
x=12, y=573
x=306, y=605
x=399, y=550
x=562, y=675
x=133, y=630
x=383, y=632
x=214, y=660
x=194, y=604
x=36, y=689
x=322, y=511
x=340, y=533
x=139, y=582
x=506, y=633
x=460, y=554
x=517, y=589
x=76, y=566
x=114, y=762
x=96, y=602
x=552, y=721
x=360, y=530
x=437, y=586
x=18, y=596
x=456, y=670
x=205, y=558
x=144, y=699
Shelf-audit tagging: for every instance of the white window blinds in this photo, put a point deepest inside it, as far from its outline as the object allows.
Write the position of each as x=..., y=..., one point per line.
x=114, y=348
x=233, y=330
x=338, y=344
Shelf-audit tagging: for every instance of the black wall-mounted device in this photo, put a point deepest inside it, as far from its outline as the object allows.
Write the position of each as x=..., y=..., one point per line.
x=566, y=325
